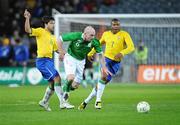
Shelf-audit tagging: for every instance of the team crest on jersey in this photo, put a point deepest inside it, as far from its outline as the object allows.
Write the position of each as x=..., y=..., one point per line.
x=79, y=41
x=118, y=37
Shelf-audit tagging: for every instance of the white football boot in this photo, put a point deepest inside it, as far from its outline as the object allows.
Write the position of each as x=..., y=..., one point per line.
x=45, y=105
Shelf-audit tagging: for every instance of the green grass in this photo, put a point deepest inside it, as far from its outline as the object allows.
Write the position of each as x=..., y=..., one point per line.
x=19, y=106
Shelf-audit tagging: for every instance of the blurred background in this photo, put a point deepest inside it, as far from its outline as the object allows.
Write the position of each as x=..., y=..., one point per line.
x=156, y=45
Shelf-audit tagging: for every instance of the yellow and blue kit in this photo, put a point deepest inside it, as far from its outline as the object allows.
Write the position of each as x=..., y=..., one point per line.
x=120, y=42
x=46, y=45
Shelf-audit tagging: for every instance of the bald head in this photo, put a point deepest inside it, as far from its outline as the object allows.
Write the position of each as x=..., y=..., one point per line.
x=89, y=33
x=89, y=29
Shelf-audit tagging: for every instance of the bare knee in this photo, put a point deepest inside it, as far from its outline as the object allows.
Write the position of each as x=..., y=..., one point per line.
x=105, y=78
x=70, y=77
x=57, y=79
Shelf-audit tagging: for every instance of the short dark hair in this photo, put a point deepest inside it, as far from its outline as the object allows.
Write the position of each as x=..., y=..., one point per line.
x=115, y=20
x=46, y=19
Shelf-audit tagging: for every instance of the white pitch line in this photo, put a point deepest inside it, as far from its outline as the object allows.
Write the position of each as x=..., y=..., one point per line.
x=11, y=104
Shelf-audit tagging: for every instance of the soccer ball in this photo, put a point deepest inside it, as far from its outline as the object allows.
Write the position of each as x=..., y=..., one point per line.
x=143, y=107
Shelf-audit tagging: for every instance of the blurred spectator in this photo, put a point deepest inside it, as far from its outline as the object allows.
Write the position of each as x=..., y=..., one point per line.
x=21, y=53
x=109, y=6
x=6, y=53
x=11, y=21
x=141, y=53
x=141, y=56
x=21, y=56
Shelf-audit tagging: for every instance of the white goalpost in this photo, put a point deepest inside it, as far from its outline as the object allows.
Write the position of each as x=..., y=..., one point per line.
x=160, y=32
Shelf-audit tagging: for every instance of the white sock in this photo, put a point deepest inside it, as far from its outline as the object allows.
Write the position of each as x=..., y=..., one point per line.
x=48, y=94
x=100, y=90
x=91, y=95
x=59, y=93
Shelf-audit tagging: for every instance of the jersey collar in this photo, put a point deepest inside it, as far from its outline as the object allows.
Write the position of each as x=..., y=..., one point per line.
x=82, y=36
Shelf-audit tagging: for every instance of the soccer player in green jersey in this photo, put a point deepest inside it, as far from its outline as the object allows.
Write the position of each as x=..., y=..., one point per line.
x=74, y=60
x=118, y=43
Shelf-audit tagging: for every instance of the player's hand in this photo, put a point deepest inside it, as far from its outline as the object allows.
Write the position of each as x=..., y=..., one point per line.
x=90, y=58
x=118, y=57
x=61, y=55
x=27, y=14
x=105, y=72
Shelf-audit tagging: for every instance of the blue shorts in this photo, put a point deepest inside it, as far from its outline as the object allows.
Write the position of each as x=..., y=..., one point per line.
x=46, y=67
x=112, y=66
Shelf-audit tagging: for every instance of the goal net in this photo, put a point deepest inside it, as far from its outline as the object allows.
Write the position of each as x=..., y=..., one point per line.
x=159, y=32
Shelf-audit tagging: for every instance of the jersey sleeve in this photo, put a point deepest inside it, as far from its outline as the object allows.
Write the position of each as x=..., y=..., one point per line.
x=97, y=46
x=102, y=40
x=36, y=31
x=92, y=52
x=129, y=44
x=70, y=36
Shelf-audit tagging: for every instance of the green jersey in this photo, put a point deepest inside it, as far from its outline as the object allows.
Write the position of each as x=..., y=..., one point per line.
x=78, y=48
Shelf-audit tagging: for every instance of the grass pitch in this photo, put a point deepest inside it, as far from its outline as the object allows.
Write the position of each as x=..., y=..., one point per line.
x=19, y=106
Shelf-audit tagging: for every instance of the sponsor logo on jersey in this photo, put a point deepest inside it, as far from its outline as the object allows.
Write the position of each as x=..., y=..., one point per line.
x=89, y=45
x=77, y=44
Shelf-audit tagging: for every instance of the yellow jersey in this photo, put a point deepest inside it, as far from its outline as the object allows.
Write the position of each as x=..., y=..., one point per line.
x=46, y=42
x=120, y=42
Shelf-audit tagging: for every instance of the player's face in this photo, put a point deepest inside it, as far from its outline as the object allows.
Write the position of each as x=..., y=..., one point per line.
x=89, y=36
x=50, y=25
x=115, y=26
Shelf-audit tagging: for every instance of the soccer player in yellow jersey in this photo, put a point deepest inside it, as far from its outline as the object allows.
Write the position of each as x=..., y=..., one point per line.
x=118, y=43
x=46, y=45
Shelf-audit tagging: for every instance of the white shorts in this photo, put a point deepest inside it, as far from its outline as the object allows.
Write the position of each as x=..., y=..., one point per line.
x=74, y=66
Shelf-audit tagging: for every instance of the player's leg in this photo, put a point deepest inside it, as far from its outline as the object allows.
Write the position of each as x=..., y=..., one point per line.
x=98, y=89
x=78, y=79
x=74, y=70
x=70, y=69
x=68, y=82
x=113, y=67
x=59, y=91
x=41, y=66
x=79, y=75
x=75, y=85
x=48, y=93
x=66, y=89
x=57, y=81
x=88, y=99
x=71, y=85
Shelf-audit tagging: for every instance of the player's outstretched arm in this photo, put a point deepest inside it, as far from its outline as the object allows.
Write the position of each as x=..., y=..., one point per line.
x=61, y=51
x=27, y=16
x=104, y=69
x=130, y=45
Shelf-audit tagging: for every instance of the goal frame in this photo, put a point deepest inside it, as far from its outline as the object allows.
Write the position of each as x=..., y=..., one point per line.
x=57, y=16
